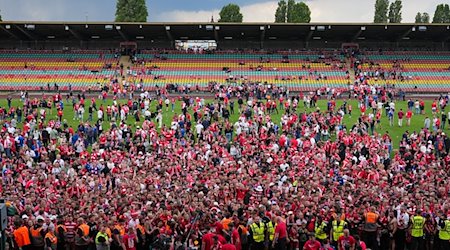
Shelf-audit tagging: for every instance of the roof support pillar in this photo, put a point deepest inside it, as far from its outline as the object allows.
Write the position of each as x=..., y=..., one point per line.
x=25, y=32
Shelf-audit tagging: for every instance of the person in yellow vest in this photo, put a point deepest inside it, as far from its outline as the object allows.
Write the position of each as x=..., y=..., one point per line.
x=60, y=233
x=444, y=233
x=270, y=226
x=37, y=234
x=257, y=233
x=337, y=230
x=51, y=241
x=102, y=240
x=82, y=239
x=416, y=227
x=320, y=229
x=370, y=228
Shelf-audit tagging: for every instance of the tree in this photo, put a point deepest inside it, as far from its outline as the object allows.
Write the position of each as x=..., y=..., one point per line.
x=422, y=17
x=446, y=13
x=381, y=11
x=418, y=17
x=425, y=18
x=301, y=13
x=131, y=11
x=439, y=14
x=280, y=13
x=395, y=12
x=295, y=12
x=442, y=14
x=231, y=13
x=289, y=11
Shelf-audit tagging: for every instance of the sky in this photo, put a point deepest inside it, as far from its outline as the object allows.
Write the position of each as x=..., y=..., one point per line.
x=200, y=10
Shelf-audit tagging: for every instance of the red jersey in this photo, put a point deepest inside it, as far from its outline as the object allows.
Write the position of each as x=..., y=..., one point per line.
x=281, y=230
x=130, y=240
x=236, y=239
x=312, y=245
x=346, y=241
x=409, y=114
x=208, y=240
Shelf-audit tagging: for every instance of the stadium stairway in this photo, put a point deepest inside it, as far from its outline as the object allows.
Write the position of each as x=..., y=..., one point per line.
x=125, y=60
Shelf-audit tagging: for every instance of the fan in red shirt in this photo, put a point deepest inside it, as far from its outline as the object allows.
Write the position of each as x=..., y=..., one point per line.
x=130, y=239
x=409, y=114
x=346, y=241
x=312, y=243
x=279, y=241
x=208, y=240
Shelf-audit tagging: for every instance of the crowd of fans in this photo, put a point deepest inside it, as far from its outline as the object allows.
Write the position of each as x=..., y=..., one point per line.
x=305, y=181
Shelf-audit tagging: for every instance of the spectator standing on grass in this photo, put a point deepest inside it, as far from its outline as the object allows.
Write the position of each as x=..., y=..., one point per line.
x=417, y=107
x=427, y=123
x=436, y=123
x=400, y=115
x=409, y=114
x=434, y=107
x=391, y=117
x=443, y=119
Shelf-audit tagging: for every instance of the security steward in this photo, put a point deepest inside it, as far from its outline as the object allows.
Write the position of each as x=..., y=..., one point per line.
x=320, y=229
x=117, y=235
x=21, y=235
x=257, y=233
x=337, y=230
x=102, y=240
x=270, y=226
x=416, y=227
x=444, y=233
x=61, y=234
x=37, y=234
x=82, y=239
x=370, y=228
x=51, y=241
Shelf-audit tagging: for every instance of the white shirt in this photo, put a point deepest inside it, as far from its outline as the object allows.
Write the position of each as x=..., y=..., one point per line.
x=379, y=105
x=99, y=114
x=199, y=127
x=402, y=219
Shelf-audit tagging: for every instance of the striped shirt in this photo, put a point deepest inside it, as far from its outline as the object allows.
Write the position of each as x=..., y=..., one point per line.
x=70, y=227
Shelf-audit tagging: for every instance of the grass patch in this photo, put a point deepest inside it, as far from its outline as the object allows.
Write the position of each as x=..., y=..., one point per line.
x=395, y=131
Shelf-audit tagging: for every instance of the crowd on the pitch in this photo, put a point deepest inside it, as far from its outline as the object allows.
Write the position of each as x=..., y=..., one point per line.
x=302, y=181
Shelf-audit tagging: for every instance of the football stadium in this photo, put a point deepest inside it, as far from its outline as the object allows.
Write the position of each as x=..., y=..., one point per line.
x=227, y=133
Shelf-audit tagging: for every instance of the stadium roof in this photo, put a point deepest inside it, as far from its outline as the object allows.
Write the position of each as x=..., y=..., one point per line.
x=343, y=32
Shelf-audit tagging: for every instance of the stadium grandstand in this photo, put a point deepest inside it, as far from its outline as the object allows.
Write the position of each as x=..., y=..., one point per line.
x=214, y=136
x=300, y=57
